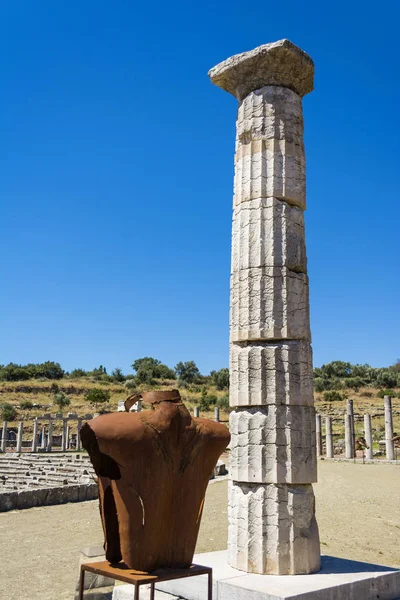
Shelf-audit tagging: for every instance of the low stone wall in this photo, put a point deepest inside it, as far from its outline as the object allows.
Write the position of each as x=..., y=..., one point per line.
x=28, y=480
x=46, y=496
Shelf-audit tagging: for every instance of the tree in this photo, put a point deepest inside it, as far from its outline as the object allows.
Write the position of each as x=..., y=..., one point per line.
x=78, y=373
x=8, y=412
x=147, y=369
x=118, y=375
x=96, y=397
x=61, y=400
x=354, y=383
x=14, y=372
x=220, y=378
x=387, y=379
x=187, y=371
x=396, y=366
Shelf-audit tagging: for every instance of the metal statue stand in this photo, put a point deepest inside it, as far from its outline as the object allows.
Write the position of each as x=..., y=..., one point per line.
x=121, y=572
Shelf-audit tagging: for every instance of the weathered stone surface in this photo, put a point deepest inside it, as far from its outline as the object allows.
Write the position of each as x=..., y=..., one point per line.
x=273, y=444
x=268, y=233
x=269, y=304
x=270, y=159
x=274, y=373
x=272, y=528
x=279, y=63
x=257, y=540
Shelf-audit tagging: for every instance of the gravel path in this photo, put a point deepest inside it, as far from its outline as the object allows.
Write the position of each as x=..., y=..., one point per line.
x=357, y=510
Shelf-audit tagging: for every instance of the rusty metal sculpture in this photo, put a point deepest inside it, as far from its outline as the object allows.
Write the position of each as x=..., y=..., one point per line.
x=153, y=468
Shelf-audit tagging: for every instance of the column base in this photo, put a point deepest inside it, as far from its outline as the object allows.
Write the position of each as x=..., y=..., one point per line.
x=338, y=579
x=272, y=529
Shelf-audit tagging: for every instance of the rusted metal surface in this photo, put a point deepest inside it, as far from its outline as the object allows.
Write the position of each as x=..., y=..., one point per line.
x=123, y=573
x=153, y=469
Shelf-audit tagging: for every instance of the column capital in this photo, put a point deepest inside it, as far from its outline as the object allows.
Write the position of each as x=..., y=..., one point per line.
x=279, y=63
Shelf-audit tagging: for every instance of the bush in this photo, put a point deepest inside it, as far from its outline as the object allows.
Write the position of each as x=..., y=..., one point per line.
x=26, y=404
x=183, y=385
x=147, y=369
x=205, y=402
x=8, y=412
x=354, y=383
x=97, y=396
x=75, y=373
x=117, y=375
x=223, y=402
x=187, y=371
x=130, y=384
x=220, y=378
x=61, y=400
x=383, y=393
x=332, y=396
x=212, y=399
x=387, y=379
x=321, y=384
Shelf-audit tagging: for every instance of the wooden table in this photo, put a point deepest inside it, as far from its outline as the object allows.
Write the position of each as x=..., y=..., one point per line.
x=121, y=572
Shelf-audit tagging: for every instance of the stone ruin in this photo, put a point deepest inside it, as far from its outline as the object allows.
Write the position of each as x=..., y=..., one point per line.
x=28, y=480
x=272, y=526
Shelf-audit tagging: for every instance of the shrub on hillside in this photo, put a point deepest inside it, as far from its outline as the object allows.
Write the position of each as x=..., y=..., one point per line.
x=97, y=397
x=383, y=393
x=26, y=404
x=117, y=375
x=130, y=384
x=223, y=402
x=354, y=383
x=220, y=378
x=332, y=396
x=8, y=412
x=75, y=373
x=321, y=384
x=387, y=379
x=61, y=400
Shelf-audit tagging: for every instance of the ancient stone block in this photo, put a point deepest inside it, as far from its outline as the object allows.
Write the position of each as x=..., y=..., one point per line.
x=273, y=373
x=257, y=540
x=268, y=233
x=270, y=160
x=270, y=303
x=280, y=63
x=273, y=444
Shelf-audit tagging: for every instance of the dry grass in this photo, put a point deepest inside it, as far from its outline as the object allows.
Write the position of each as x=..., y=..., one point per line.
x=41, y=393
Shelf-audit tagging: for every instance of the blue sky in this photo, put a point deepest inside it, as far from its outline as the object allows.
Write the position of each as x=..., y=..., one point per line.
x=116, y=176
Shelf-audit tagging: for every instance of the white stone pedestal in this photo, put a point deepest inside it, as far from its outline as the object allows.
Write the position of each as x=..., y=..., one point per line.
x=338, y=579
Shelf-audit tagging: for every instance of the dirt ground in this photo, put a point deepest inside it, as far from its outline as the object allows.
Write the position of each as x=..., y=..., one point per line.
x=358, y=512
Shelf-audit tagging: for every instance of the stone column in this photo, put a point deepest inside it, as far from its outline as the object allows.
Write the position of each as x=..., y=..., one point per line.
x=196, y=412
x=35, y=434
x=4, y=437
x=67, y=437
x=272, y=526
x=216, y=414
x=64, y=436
x=43, y=443
x=50, y=436
x=19, y=436
x=389, y=428
x=318, y=434
x=368, y=437
x=348, y=438
x=328, y=437
x=350, y=412
x=78, y=435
